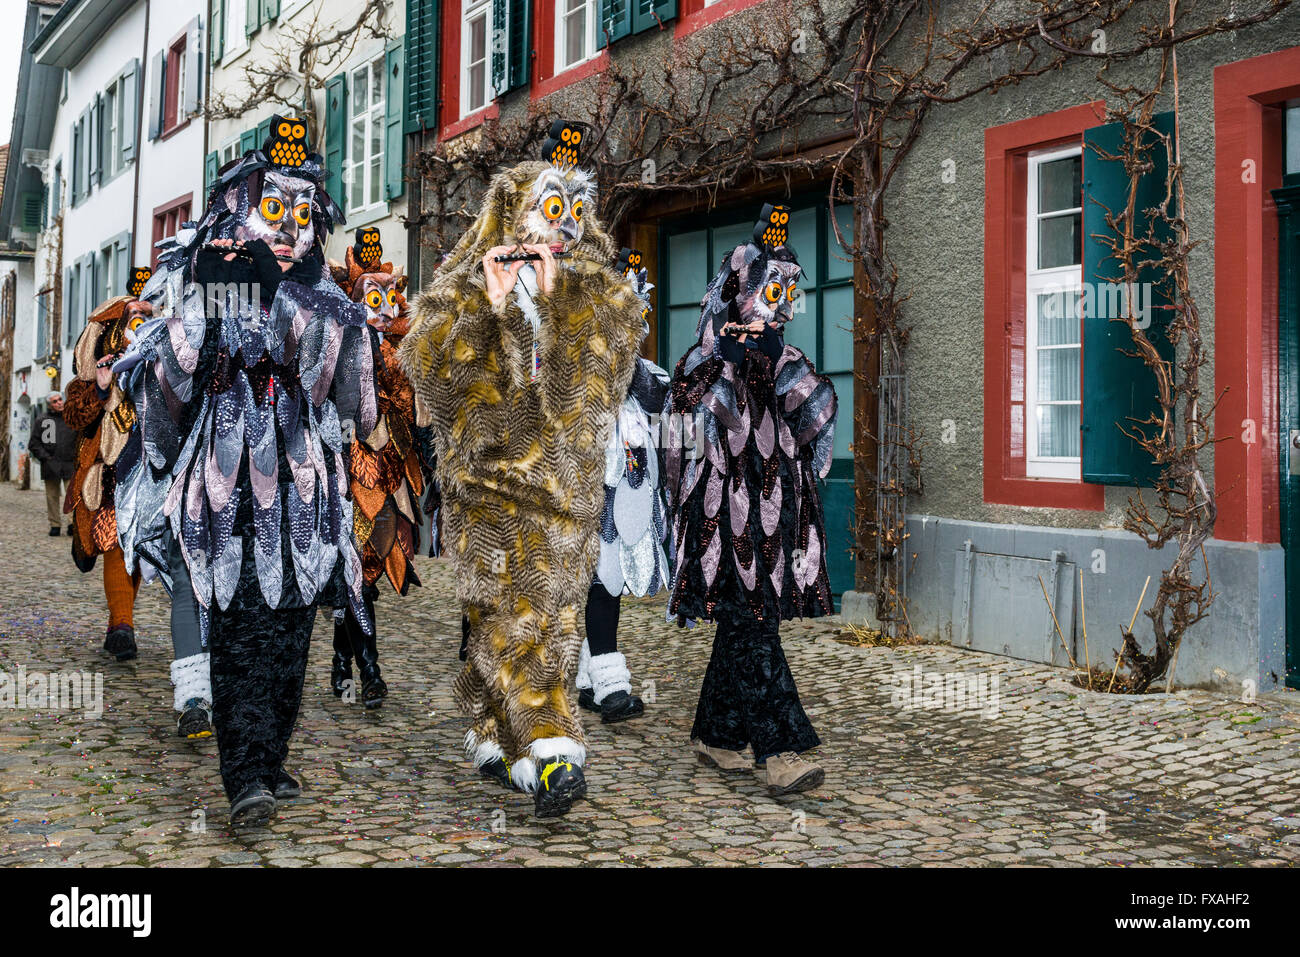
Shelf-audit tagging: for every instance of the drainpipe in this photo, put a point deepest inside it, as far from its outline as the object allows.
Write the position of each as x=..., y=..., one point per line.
x=141, y=133
x=207, y=126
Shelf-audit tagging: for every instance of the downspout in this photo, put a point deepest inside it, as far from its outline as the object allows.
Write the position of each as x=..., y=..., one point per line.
x=207, y=100
x=140, y=126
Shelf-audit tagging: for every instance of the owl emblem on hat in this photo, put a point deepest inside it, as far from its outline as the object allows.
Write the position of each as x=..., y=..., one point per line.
x=140, y=275
x=630, y=261
x=368, y=249
x=287, y=145
x=771, y=229
x=563, y=146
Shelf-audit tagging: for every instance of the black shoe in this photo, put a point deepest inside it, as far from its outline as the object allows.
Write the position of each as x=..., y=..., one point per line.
x=558, y=786
x=254, y=807
x=341, y=668
x=620, y=706
x=286, y=786
x=497, y=770
x=120, y=642
x=55, y=531
x=373, y=688
x=196, y=720
x=587, y=700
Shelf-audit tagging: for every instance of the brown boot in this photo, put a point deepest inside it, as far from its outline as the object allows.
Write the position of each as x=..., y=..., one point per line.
x=787, y=773
x=721, y=759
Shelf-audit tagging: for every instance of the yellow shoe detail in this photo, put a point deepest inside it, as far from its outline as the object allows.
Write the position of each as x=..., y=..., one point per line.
x=551, y=767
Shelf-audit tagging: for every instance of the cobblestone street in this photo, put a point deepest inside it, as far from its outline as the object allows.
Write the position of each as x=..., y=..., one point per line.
x=1032, y=771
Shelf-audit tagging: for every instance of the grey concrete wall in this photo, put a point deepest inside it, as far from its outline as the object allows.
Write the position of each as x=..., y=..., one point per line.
x=1242, y=639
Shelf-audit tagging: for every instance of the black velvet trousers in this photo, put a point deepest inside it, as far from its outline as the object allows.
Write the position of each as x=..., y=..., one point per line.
x=748, y=697
x=259, y=661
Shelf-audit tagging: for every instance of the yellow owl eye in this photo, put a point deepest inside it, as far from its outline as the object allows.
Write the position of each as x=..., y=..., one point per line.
x=135, y=322
x=791, y=292
x=272, y=209
x=374, y=299
x=785, y=218
x=576, y=138
x=772, y=292
x=392, y=297
x=302, y=213
x=577, y=210
x=552, y=207
x=566, y=134
x=283, y=129
x=299, y=131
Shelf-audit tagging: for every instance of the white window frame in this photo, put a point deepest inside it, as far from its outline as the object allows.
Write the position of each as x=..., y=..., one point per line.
x=228, y=151
x=474, y=11
x=236, y=37
x=371, y=118
x=1061, y=279
x=562, y=14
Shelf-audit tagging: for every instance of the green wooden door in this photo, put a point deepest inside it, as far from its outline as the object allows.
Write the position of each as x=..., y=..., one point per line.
x=690, y=255
x=1288, y=353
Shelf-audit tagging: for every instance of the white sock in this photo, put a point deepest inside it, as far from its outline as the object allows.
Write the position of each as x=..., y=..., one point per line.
x=191, y=678
x=609, y=674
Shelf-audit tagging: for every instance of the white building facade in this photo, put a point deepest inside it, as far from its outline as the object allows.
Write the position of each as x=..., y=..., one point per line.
x=359, y=103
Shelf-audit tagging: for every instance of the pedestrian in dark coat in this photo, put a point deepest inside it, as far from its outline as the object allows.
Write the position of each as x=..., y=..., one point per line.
x=54, y=445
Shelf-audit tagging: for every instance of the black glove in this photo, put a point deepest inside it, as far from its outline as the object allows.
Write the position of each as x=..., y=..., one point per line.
x=732, y=349
x=771, y=343
x=252, y=263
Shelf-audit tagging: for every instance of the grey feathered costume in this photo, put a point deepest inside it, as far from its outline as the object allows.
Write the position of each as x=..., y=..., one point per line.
x=244, y=401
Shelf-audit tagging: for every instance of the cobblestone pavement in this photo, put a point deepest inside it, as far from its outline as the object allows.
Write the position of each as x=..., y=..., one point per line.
x=1032, y=771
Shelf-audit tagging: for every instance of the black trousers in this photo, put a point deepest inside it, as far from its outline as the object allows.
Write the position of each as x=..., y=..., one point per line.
x=259, y=661
x=602, y=620
x=748, y=696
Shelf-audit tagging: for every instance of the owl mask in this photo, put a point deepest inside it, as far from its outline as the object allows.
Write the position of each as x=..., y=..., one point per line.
x=757, y=281
x=275, y=194
x=373, y=283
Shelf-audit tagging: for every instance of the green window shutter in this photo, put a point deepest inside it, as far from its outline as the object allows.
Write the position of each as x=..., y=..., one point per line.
x=217, y=29
x=30, y=210
x=336, y=104
x=95, y=153
x=499, y=46
x=122, y=245
x=211, y=164
x=615, y=21
x=129, y=90
x=263, y=133
x=1119, y=390
x=421, y=65
x=248, y=141
x=253, y=17
x=520, y=42
x=644, y=13
x=69, y=290
x=394, y=137
x=270, y=9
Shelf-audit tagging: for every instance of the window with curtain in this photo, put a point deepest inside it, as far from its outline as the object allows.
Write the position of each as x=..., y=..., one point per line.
x=1053, y=340
x=365, y=160
x=575, y=32
x=475, y=54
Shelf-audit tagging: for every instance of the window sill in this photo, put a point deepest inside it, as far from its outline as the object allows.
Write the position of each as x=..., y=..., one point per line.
x=371, y=214
x=1031, y=492
x=469, y=122
x=587, y=68
x=173, y=130
x=228, y=58
x=710, y=15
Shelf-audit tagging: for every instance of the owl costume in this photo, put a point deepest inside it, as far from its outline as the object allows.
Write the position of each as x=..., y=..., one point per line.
x=746, y=511
x=245, y=383
x=110, y=447
x=632, y=528
x=522, y=397
x=386, y=471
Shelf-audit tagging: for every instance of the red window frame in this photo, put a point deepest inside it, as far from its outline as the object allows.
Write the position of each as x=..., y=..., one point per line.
x=1248, y=129
x=544, y=80
x=450, y=79
x=172, y=93
x=693, y=15
x=167, y=219
x=1006, y=151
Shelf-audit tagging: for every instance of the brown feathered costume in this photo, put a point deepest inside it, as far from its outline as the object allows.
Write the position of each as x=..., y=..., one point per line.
x=520, y=433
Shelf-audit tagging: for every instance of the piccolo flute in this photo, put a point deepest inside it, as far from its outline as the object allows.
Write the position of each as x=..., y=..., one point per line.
x=526, y=257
